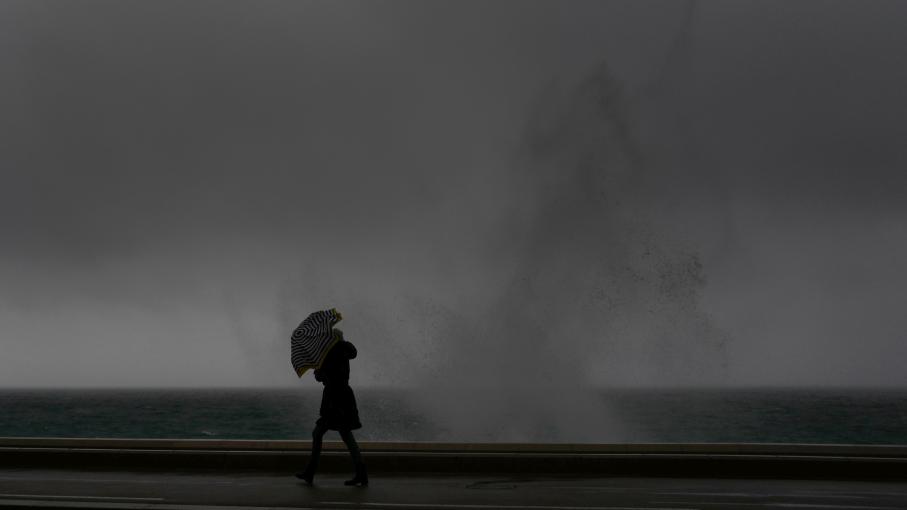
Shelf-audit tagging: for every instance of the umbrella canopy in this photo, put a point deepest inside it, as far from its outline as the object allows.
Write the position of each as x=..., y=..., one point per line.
x=312, y=340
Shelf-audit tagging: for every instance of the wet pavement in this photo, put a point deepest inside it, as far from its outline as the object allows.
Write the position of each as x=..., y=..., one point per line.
x=21, y=488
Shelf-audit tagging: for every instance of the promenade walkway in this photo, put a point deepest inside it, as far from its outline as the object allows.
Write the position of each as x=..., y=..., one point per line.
x=119, y=490
x=194, y=475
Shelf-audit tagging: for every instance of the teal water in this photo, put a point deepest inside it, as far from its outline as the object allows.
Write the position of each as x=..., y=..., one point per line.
x=757, y=416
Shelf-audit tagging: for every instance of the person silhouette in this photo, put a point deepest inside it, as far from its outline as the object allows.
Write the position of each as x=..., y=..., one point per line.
x=338, y=410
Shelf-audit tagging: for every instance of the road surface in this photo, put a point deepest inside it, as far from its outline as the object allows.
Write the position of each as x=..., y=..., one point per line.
x=49, y=488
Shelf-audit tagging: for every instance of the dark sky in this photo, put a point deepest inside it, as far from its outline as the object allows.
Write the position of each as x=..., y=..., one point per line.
x=631, y=193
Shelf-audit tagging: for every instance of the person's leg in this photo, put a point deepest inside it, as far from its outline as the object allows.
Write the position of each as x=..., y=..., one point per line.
x=361, y=477
x=312, y=467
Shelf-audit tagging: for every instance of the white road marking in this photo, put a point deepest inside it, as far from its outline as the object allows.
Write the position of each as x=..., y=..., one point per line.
x=758, y=495
x=50, y=496
x=514, y=507
x=826, y=505
x=785, y=505
x=105, y=505
x=726, y=494
x=587, y=487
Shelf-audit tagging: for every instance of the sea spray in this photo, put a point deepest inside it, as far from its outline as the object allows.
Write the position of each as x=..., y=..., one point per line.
x=596, y=296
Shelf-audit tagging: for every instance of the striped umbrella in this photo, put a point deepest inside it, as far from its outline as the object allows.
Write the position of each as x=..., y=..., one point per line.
x=312, y=340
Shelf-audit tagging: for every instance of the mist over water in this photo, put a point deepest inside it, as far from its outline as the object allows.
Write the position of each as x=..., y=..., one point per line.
x=574, y=287
x=591, y=287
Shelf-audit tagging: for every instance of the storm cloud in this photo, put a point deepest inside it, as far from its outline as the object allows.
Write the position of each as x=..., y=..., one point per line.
x=506, y=194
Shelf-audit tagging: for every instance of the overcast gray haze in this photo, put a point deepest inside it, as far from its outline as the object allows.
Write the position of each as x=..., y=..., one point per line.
x=513, y=196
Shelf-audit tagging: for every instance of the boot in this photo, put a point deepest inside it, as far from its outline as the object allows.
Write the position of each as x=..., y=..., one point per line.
x=361, y=478
x=307, y=476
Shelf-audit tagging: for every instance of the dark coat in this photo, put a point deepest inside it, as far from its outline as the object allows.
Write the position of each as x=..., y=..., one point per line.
x=338, y=404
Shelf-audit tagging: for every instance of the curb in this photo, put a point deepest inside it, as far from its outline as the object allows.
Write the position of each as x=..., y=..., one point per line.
x=659, y=460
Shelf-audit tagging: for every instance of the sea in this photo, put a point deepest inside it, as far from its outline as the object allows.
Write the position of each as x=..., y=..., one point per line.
x=645, y=416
